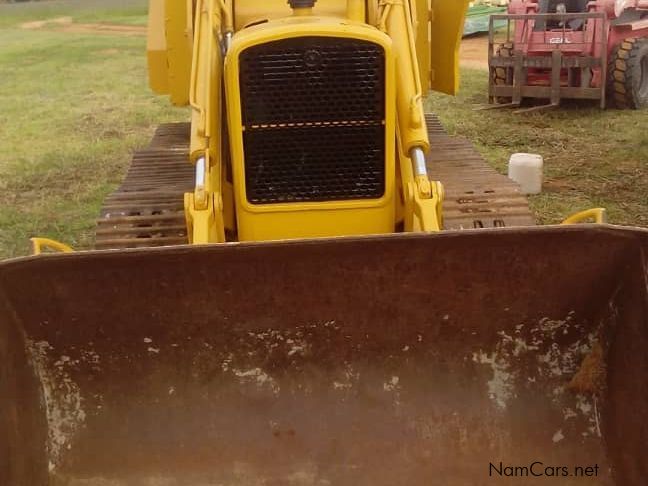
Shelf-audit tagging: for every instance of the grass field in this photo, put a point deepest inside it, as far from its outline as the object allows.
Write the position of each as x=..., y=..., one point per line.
x=592, y=157
x=74, y=106
x=107, y=11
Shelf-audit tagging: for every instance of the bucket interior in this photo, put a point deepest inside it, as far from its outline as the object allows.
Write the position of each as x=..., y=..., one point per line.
x=423, y=359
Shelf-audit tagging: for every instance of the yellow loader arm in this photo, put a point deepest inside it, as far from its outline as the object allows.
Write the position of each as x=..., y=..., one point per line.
x=188, y=42
x=169, y=48
x=439, y=32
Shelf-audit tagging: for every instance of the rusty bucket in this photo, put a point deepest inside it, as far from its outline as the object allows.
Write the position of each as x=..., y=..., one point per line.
x=473, y=358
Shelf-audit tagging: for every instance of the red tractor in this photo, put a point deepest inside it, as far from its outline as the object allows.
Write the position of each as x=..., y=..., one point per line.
x=583, y=49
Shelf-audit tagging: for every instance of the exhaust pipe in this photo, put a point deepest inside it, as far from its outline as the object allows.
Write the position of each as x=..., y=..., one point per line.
x=302, y=7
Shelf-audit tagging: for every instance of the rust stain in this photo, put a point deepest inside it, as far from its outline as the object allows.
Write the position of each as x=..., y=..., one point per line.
x=590, y=378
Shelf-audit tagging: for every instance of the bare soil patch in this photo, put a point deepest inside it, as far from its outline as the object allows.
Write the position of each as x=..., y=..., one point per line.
x=65, y=24
x=105, y=29
x=109, y=52
x=474, y=52
x=39, y=24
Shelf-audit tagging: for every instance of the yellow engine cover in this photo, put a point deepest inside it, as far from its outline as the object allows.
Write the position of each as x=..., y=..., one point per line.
x=248, y=12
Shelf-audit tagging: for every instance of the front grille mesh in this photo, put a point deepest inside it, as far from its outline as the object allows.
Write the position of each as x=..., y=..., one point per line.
x=313, y=112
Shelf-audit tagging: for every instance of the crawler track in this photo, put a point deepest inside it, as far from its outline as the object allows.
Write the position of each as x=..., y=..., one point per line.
x=477, y=196
x=147, y=209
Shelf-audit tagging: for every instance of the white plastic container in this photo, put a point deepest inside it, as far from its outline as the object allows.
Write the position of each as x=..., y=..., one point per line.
x=527, y=171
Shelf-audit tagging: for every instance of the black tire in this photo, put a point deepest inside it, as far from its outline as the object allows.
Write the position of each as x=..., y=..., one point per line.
x=502, y=76
x=628, y=75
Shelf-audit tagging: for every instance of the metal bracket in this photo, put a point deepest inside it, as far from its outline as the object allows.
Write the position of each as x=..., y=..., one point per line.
x=40, y=244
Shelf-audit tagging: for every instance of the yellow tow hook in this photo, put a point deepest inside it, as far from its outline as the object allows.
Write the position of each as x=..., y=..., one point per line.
x=599, y=215
x=40, y=244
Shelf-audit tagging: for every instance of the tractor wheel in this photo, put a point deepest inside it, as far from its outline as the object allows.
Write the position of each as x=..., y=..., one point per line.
x=502, y=76
x=628, y=74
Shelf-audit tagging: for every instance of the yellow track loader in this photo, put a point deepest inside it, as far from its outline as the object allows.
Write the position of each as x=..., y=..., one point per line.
x=312, y=284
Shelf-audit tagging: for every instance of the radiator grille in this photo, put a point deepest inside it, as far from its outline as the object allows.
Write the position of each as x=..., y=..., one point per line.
x=313, y=111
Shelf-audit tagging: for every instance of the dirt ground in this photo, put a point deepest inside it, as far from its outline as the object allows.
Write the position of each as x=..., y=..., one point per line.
x=65, y=24
x=474, y=49
x=474, y=52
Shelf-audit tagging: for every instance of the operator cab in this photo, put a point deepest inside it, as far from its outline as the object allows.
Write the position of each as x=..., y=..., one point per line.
x=561, y=6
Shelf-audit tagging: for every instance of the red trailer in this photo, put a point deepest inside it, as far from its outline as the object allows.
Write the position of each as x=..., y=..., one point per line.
x=581, y=49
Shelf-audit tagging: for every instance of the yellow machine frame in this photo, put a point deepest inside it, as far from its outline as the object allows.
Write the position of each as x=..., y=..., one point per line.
x=421, y=40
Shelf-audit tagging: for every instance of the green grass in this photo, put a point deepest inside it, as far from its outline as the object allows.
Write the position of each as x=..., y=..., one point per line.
x=73, y=107
x=592, y=157
x=128, y=12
